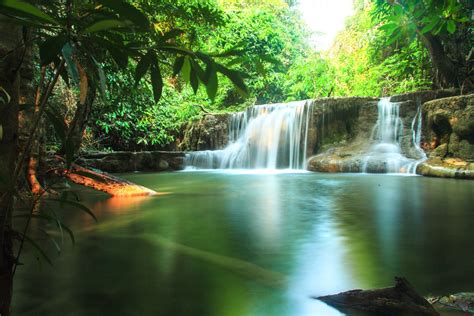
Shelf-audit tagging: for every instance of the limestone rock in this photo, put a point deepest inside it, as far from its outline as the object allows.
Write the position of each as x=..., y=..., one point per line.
x=446, y=168
x=209, y=132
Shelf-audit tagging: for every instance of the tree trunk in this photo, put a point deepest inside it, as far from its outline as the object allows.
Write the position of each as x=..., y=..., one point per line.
x=104, y=182
x=29, y=114
x=83, y=109
x=11, y=55
x=444, y=68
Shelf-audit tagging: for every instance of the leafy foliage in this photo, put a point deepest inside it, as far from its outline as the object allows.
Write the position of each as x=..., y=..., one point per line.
x=365, y=65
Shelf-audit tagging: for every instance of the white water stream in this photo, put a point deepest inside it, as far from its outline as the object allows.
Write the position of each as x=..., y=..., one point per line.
x=386, y=153
x=272, y=136
x=275, y=136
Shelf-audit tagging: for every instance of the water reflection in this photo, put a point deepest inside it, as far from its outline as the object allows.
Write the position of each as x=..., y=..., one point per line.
x=244, y=244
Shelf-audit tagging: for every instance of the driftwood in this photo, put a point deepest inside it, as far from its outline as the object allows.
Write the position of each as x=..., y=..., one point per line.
x=104, y=182
x=399, y=300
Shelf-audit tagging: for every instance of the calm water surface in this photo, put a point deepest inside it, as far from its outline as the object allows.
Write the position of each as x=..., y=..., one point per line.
x=254, y=244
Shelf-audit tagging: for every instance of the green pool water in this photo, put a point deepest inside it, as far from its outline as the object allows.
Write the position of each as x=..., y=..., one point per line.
x=237, y=243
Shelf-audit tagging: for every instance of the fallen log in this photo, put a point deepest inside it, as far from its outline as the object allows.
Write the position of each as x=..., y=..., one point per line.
x=399, y=300
x=104, y=182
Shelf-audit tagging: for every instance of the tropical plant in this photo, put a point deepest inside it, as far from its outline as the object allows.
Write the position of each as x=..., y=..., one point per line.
x=439, y=25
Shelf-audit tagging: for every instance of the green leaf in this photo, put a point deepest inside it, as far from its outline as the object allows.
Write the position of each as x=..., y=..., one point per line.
x=463, y=19
x=67, y=52
x=105, y=25
x=429, y=26
x=58, y=248
x=5, y=97
x=102, y=79
x=27, y=10
x=212, y=82
x=451, y=26
x=389, y=27
x=119, y=55
x=194, y=80
x=128, y=12
x=142, y=67
x=235, y=61
x=235, y=77
x=176, y=49
x=156, y=81
x=178, y=64
x=186, y=69
x=394, y=38
x=51, y=48
x=199, y=71
x=228, y=53
x=1, y=132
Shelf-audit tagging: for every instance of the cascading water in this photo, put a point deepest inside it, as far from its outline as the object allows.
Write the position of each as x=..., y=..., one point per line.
x=385, y=154
x=272, y=136
x=416, y=138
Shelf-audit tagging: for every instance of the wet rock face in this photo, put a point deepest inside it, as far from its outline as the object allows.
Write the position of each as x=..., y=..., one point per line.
x=449, y=138
x=357, y=148
x=449, y=131
x=124, y=161
x=207, y=133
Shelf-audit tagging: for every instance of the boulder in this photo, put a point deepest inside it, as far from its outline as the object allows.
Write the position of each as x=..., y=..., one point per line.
x=208, y=133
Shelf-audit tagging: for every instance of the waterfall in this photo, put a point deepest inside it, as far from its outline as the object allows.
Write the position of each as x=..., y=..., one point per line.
x=272, y=136
x=416, y=138
x=385, y=155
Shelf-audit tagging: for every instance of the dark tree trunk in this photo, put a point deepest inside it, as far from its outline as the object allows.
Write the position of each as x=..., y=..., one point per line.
x=83, y=109
x=11, y=55
x=29, y=114
x=445, y=72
